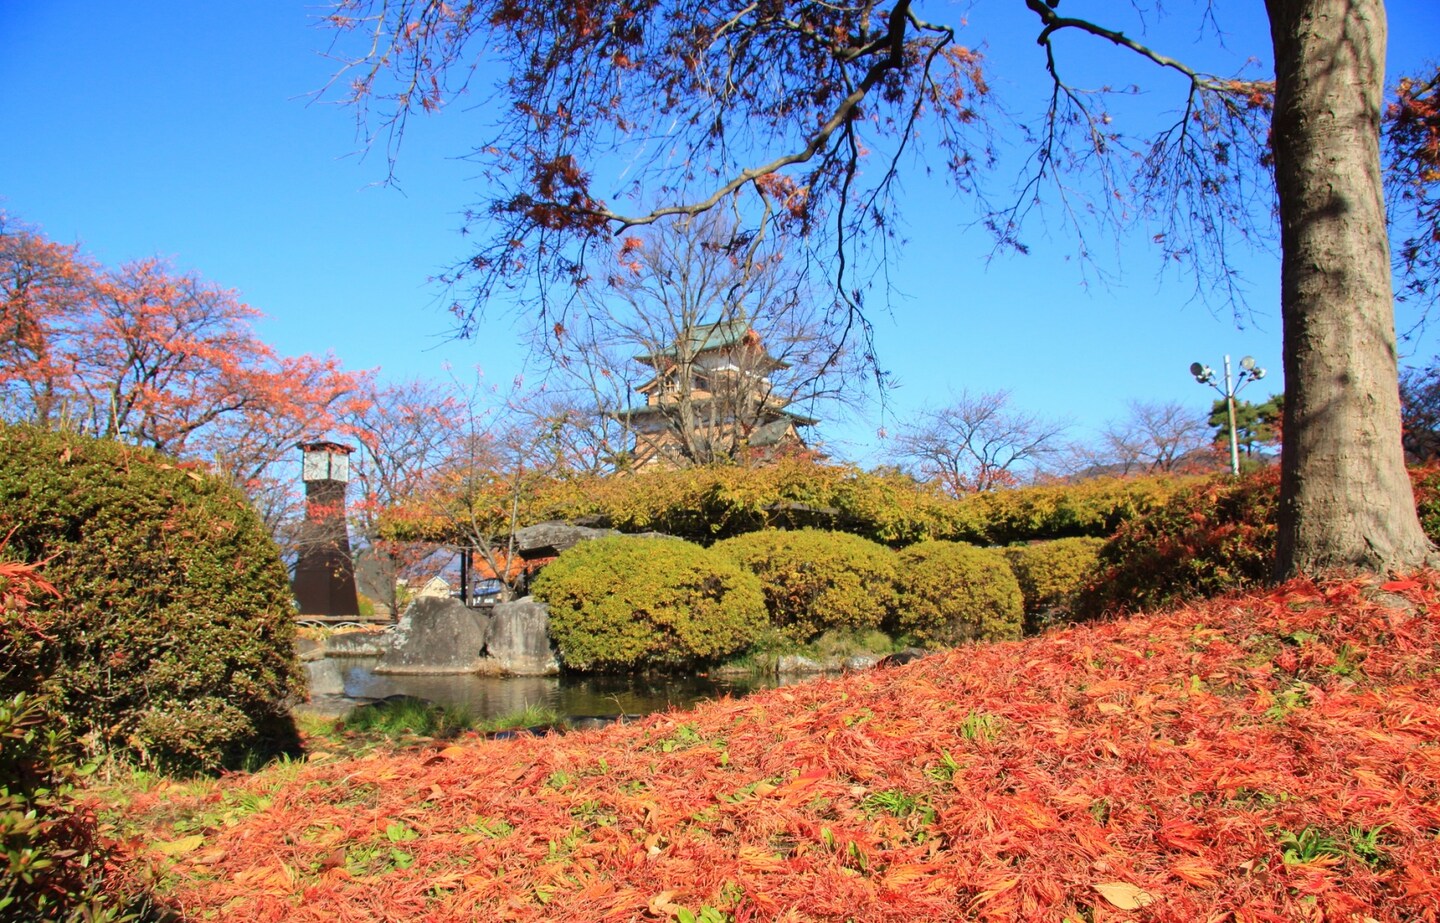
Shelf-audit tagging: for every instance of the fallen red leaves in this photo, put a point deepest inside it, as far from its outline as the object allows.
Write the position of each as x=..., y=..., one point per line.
x=1261, y=758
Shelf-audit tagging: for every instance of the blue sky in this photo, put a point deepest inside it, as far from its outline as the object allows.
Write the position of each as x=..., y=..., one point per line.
x=189, y=130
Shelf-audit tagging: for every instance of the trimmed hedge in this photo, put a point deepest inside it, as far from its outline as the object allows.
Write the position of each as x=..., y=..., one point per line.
x=622, y=602
x=173, y=641
x=815, y=581
x=706, y=504
x=951, y=593
x=1051, y=575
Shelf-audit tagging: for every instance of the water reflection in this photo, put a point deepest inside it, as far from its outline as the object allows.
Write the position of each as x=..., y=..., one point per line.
x=487, y=697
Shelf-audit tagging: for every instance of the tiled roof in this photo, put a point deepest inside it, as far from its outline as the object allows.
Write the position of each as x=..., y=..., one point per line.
x=705, y=337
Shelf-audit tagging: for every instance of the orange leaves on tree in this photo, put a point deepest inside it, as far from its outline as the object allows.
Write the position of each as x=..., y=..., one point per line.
x=792, y=198
x=149, y=356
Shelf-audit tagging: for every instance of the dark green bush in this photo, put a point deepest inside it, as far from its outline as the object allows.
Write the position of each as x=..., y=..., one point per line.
x=52, y=861
x=621, y=603
x=815, y=581
x=951, y=593
x=172, y=642
x=1211, y=538
x=1051, y=575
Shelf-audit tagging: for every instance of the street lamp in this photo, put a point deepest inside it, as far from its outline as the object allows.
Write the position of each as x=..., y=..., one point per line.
x=1249, y=372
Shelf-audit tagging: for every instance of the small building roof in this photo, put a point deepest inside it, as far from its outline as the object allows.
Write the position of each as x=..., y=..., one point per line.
x=325, y=446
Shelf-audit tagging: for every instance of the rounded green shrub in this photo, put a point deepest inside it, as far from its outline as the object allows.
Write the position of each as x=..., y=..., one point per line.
x=815, y=581
x=624, y=602
x=172, y=640
x=951, y=593
x=1212, y=538
x=1051, y=575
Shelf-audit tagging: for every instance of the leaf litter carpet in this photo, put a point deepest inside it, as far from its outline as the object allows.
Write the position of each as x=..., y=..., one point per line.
x=1270, y=757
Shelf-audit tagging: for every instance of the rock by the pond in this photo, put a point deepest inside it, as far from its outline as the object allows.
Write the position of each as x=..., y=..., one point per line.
x=539, y=730
x=361, y=643
x=857, y=662
x=794, y=663
x=436, y=636
x=517, y=642
x=909, y=655
x=325, y=678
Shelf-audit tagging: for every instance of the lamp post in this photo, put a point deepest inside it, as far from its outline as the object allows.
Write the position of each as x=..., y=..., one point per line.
x=1249, y=372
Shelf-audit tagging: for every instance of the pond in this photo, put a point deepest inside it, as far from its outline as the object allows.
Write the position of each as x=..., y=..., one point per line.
x=486, y=697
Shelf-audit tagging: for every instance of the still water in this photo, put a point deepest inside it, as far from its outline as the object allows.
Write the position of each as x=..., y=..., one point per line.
x=487, y=697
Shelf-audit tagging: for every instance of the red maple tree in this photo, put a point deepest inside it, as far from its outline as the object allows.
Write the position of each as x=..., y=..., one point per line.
x=155, y=357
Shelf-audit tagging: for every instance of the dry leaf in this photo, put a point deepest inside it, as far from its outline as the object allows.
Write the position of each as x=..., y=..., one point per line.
x=1123, y=895
x=661, y=906
x=179, y=847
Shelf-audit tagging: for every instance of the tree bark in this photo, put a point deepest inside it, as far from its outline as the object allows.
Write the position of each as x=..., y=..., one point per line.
x=1345, y=499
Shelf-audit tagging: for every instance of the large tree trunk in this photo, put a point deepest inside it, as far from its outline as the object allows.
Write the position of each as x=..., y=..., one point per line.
x=1345, y=499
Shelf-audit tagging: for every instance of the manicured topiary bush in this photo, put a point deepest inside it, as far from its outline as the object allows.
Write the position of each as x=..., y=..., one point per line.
x=1212, y=538
x=171, y=642
x=815, y=581
x=622, y=603
x=1051, y=575
x=951, y=593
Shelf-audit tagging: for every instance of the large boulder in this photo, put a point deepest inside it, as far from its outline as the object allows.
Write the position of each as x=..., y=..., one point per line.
x=362, y=642
x=436, y=636
x=547, y=539
x=325, y=678
x=518, y=640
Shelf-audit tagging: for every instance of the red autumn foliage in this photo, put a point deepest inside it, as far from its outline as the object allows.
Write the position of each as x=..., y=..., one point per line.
x=154, y=357
x=1260, y=758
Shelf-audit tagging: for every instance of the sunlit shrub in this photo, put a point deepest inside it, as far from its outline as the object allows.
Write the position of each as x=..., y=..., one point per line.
x=952, y=592
x=623, y=602
x=1094, y=507
x=1051, y=574
x=705, y=504
x=172, y=640
x=815, y=581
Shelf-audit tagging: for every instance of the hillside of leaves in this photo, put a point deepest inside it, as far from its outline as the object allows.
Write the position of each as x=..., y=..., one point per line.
x=708, y=503
x=1267, y=757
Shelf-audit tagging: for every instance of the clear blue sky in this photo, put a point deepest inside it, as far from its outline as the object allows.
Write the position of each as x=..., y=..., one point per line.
x=188, y=130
